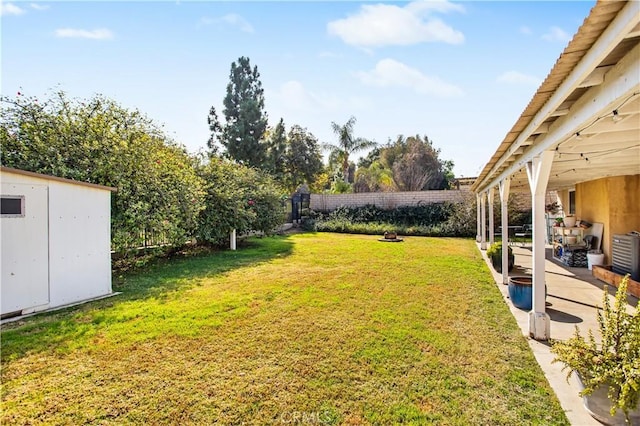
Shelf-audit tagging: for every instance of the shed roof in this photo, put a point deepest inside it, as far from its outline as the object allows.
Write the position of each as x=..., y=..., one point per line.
x=55, y=178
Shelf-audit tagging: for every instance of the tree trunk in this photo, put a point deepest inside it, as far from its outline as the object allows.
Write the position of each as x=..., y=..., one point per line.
x=345, y=169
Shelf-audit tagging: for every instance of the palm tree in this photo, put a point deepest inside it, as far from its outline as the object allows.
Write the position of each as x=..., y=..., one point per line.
x=347, y=144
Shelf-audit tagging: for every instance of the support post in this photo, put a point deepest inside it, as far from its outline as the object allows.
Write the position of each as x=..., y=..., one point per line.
x=538, y=171
x=478, y=220
x=504, y=187
x=491, y=225
x=232, y=239
x=483, y=227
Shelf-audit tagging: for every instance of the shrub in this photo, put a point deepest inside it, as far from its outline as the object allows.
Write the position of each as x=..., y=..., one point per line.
x=98, y=141
x=461, y=221
x=237, y=197
x=494, y=252
x=615, y=361
x=423, y=220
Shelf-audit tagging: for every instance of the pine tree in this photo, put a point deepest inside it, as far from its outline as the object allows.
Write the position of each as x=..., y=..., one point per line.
x=245, y=117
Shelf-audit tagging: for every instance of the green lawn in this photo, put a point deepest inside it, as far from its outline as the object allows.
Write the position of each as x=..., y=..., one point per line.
x=301, y=329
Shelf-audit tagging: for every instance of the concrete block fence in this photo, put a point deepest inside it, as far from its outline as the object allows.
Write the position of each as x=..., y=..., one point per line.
x=385, y=200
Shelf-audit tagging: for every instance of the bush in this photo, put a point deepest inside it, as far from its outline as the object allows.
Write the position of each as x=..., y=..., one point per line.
x=461, y=221
x=164, y=195
x=237, y=197
x=98, y=141
x=437, y=219
x=615, y=361
x=421, y=215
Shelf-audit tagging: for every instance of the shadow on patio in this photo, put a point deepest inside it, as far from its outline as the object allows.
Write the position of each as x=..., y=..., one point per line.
x=573, y=294
x=573, y=297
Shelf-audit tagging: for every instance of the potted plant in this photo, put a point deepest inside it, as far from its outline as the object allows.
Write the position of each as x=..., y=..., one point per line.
x=610, y=370
x=552, y=208
x=494, y=252
x=569, y=221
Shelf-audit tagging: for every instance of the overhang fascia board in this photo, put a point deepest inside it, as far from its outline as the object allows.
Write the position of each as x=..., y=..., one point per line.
x=622, y=24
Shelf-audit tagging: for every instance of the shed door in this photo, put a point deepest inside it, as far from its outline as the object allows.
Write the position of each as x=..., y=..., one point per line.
x=25, y=247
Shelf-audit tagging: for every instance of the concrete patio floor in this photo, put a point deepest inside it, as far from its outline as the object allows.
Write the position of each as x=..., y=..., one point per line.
x=573, y=295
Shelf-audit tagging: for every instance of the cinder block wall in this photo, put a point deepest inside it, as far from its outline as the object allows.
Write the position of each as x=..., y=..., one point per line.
x=384, y=200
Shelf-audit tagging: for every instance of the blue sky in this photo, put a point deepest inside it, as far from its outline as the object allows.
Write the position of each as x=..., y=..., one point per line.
x=459, y=72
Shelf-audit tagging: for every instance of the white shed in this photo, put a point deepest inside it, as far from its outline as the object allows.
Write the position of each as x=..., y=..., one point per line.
x=56, y=241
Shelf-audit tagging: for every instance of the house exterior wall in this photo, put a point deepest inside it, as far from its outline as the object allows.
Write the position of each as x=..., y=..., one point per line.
x=614, y=201
x=592, y=205
x=59, y=253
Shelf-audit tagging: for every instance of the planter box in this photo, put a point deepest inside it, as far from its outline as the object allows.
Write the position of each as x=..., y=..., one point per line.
x=604, y=273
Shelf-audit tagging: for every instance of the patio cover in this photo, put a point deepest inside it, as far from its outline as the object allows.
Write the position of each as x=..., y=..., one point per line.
x=596, y=77
x=582, y=124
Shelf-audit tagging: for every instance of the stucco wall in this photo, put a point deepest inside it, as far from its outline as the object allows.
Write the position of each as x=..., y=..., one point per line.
x=385, y=200
x=592, y=205
x=614, y=201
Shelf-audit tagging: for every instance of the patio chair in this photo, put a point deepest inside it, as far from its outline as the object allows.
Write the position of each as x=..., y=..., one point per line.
x=523, y=233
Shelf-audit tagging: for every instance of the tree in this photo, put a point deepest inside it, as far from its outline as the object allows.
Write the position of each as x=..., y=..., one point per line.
x=303, y=158
x=372, y=156
x=412, y=163
x=245, y=119
x=416, y=164
x=100, y=142
x=276, y=140
x=347, y=144
x=414, y=169
x=374, y=178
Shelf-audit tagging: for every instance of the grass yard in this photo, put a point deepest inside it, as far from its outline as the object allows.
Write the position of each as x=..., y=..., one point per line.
x=299, y=329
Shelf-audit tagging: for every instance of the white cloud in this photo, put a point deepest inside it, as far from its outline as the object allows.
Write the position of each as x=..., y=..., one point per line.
x=294, y=97
x=238, y=21
x=443, y=6
x=556, y=34
x=231, y=19
x=98, y=34
x=293, y=94
x=10, y=9
x=515, y=77
x=384, y=25
x=525, y=30
x=37, y=6
x=391, y=73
